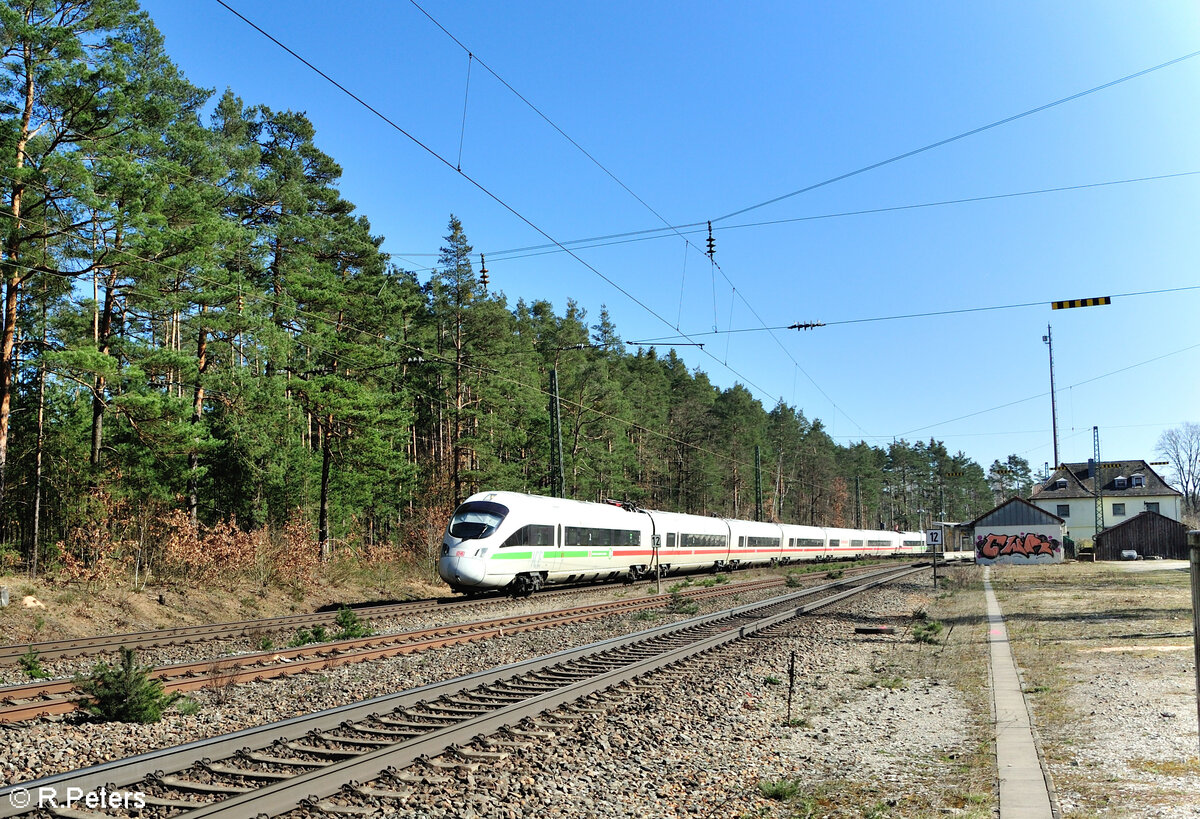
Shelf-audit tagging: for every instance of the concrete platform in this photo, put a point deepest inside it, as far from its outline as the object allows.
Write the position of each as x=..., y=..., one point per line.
x=1025, y=790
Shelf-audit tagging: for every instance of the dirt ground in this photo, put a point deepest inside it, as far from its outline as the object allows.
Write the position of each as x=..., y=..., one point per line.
x=49, y=610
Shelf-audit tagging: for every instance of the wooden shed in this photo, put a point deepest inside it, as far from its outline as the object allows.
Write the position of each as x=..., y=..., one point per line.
x=1149, y=534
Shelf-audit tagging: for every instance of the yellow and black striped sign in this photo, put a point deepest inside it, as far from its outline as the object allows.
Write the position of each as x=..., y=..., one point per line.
x=953, y=474
x=1064, y=305
x=1160, y=463
x=1108, y=466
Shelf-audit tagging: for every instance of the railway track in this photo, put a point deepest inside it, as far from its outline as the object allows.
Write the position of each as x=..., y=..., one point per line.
x=49, y=698
x=69, y=648
x=349, y=760
x=183, y=635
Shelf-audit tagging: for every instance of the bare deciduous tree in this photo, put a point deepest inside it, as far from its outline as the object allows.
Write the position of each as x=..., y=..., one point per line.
x=1181, y=446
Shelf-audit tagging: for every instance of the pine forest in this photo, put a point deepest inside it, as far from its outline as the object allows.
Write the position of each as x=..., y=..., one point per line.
x=204, y=349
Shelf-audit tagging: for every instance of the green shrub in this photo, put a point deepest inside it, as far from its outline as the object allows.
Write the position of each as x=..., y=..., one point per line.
x=781, y=789
x=125, y=692
x=187, y=706
x=351, y=627
x=31, y=664
x=772, y=680
x=927, y=632
x=307, y=636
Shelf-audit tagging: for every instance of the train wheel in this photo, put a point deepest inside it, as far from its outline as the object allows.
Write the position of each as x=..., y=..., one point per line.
x=523, y=585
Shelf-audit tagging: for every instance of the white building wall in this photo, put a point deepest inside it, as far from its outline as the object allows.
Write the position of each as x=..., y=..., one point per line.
x=1081, y=522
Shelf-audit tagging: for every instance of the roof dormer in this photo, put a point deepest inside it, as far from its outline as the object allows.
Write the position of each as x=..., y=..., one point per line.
x=1061, y=483
x=1119, y=482
x=1137, y=479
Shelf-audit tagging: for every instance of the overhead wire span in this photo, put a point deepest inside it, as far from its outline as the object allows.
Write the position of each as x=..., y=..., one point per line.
x=631, y=236
x=710, y=244
x=957, y=137
x=479, y=186
x=930, y=314
x=263, y=299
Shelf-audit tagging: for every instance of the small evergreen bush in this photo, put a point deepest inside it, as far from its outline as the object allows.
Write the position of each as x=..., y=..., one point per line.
x=31, y=664
x=351, y=627
x=124, y=692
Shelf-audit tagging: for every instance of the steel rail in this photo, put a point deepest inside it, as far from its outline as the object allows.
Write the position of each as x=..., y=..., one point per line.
x=309, y=788
x=182, y=635
x=139, y=768
x=57, y=697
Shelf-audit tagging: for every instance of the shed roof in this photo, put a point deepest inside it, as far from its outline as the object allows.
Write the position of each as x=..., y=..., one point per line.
x=1015, y=512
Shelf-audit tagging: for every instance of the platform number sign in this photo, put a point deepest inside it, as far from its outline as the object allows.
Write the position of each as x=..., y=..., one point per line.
x=933, y=539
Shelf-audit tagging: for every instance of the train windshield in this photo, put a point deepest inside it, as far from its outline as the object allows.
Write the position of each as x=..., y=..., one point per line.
x=477, y=519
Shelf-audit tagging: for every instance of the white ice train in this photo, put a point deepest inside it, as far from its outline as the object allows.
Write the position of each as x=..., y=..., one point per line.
x=517, y=542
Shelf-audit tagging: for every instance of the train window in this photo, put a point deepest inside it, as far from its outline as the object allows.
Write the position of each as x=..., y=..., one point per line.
x=762, y=542
x=834, y=543
x=879, y=544
x=477, y=519
x=810, y=542
x=856, y=544
x=531, y=535
x=584, y=536
x=741, y=541
x=704, y=541
x=913, y=544
x=670, y=539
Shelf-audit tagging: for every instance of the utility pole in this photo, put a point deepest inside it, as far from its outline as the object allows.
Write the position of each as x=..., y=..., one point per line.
x=1097, y=484
x=557, y=479
x=1053, y=406
x=758, y=500
x=857, y=503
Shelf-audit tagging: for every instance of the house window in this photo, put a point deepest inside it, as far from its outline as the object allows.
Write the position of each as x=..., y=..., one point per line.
x=1139, y=480
x=1120, y=482
x=1151, y=507
x=1061, y=483
x=1064, y=510
x=1118, y=509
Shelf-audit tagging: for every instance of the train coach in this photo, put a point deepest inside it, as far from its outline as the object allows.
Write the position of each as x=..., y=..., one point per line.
x=519, y=543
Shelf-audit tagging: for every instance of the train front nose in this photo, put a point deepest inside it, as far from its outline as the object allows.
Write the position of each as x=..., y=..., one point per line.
x=458, y=565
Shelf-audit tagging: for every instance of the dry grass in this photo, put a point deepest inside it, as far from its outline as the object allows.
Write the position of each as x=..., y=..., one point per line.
x=1078, y=631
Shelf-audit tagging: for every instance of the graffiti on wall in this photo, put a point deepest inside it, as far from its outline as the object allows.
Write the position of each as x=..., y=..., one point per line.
x=1026, y=546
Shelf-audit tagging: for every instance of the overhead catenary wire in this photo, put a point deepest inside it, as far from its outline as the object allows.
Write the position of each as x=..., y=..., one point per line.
x=627, y=237
x=928, y=314
x=264, y=299
x=965, y=134
x=478, y=186
x=710, y=244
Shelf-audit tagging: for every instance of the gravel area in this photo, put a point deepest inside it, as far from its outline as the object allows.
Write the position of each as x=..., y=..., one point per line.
x=879, y=726
x=713, y=739
x=43, y=747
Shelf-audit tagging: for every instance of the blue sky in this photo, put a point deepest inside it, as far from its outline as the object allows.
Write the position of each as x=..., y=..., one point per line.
x=704, y=110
